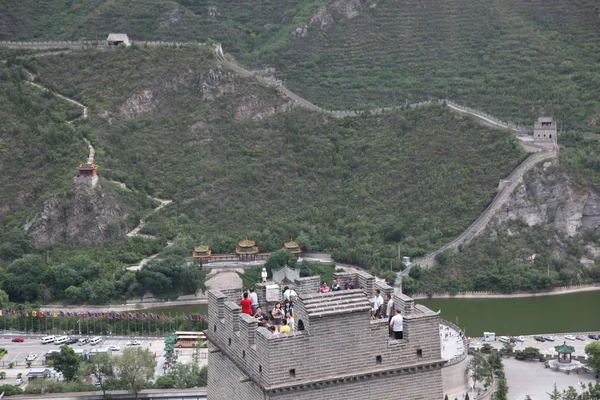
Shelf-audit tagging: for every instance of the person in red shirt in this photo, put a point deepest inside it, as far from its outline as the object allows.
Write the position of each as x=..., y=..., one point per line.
x=246, y=304
x=324, y=288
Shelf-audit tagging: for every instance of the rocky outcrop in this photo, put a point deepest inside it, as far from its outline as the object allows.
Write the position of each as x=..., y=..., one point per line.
x=140, y=103
x=83, y=215
x=548, y=197
x=338, y=10
x=216, y=83
x=255, y=108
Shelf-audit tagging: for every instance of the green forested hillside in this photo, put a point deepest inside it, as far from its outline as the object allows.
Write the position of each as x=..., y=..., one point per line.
x=239, y=160
x=515, y=59
x=331, y=182
x=241, y=26
x=37, y=146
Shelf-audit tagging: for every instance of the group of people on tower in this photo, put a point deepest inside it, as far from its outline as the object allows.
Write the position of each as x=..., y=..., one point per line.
x=281, y=317
x=380, y=310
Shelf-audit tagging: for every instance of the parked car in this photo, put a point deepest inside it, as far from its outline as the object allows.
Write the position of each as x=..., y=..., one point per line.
x=517, y=339
x=17, y=339
x=548, y=338
x=594, y=336
x=31, y=357
x=82, y=341
x=134, y=343
x=539, y=338
x=580, y=337
x=504, y=339
x=570, y=337
x=114, y=348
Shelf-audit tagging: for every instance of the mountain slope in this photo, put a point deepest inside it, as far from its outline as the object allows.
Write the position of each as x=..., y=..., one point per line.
x=515, y=59
x=239, y=159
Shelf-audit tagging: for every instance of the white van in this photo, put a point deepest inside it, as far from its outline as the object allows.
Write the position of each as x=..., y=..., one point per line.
x=94, y=341
x=48, y=339
x=61, y=340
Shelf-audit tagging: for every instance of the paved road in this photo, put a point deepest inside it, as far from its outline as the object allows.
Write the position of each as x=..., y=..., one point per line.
x=533, y=379
x=546, y=348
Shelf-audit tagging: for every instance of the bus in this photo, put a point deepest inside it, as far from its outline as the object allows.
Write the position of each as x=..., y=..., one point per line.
x=190, y=339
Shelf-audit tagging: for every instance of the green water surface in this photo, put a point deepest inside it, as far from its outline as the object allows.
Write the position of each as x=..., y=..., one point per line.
x=574, y=312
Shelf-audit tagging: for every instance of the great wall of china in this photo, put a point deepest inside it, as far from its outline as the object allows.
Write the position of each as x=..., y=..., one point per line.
x=510, y=183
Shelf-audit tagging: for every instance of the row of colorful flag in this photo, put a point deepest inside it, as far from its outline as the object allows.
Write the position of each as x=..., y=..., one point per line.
x=101, y=314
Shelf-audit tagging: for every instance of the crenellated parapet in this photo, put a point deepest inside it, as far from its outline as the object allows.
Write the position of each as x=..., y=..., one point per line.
x=326, y=326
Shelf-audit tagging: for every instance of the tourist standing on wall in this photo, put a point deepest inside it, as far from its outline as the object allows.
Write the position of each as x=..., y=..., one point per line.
x=289, y=294
x=378, y=303
x=246, y=304
x=389, y=310
x=396, y=325
x=277, y=315
x=288, y=312
x=254, y=299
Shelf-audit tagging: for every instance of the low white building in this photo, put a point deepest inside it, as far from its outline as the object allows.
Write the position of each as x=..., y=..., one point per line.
x=116, y=39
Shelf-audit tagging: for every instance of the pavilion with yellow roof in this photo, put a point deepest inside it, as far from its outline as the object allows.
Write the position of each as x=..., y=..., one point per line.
x=292, y=247
x=246, y=250
x=201, y=253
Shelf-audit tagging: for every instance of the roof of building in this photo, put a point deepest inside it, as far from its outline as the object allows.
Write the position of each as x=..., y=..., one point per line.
x=292, y=246
x=201, y=248
x=246, y=250
x=564, y=349
x=246, y=243
x=87, y=167
x=544, y=119
x=340, y=302
x=39, y=371
x=117, y=37
x=202, y=251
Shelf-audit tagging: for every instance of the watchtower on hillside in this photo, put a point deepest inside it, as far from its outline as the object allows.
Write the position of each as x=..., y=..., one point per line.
x=544, y=130
x=115, y=39
x=87, y=170
x=335, y=351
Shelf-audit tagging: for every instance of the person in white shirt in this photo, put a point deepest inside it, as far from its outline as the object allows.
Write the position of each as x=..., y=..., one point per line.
x=378, y=303
x=389, y=310
x=396, y=325
x=254, y=297
x=289, y=294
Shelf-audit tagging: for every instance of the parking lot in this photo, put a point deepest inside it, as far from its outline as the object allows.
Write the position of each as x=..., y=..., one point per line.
x=546, y=348
x=17, y=352
x=32, y=345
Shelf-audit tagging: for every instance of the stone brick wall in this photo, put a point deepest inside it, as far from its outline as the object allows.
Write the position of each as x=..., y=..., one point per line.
x=227, y=381
x=335, y=350
x=306, y=286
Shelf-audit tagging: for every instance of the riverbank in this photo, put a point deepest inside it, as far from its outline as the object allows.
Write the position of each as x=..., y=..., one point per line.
x=521, y=316
x=492, y=295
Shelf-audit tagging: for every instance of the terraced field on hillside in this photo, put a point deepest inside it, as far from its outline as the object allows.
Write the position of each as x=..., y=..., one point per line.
x=515, y=59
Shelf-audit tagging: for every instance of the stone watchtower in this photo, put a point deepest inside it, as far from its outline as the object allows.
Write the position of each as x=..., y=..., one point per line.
x=335, y=351
x=544, y=130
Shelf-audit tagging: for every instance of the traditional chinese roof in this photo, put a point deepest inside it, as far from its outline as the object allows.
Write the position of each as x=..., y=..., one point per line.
x=246, y=250
x=87, y=167
x=246, y=243
x=202, y=251
x=292, y=247
x=246, y=246
x=564, y=349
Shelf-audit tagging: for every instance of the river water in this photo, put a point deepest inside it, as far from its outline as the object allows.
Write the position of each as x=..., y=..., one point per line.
x=573, y=312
